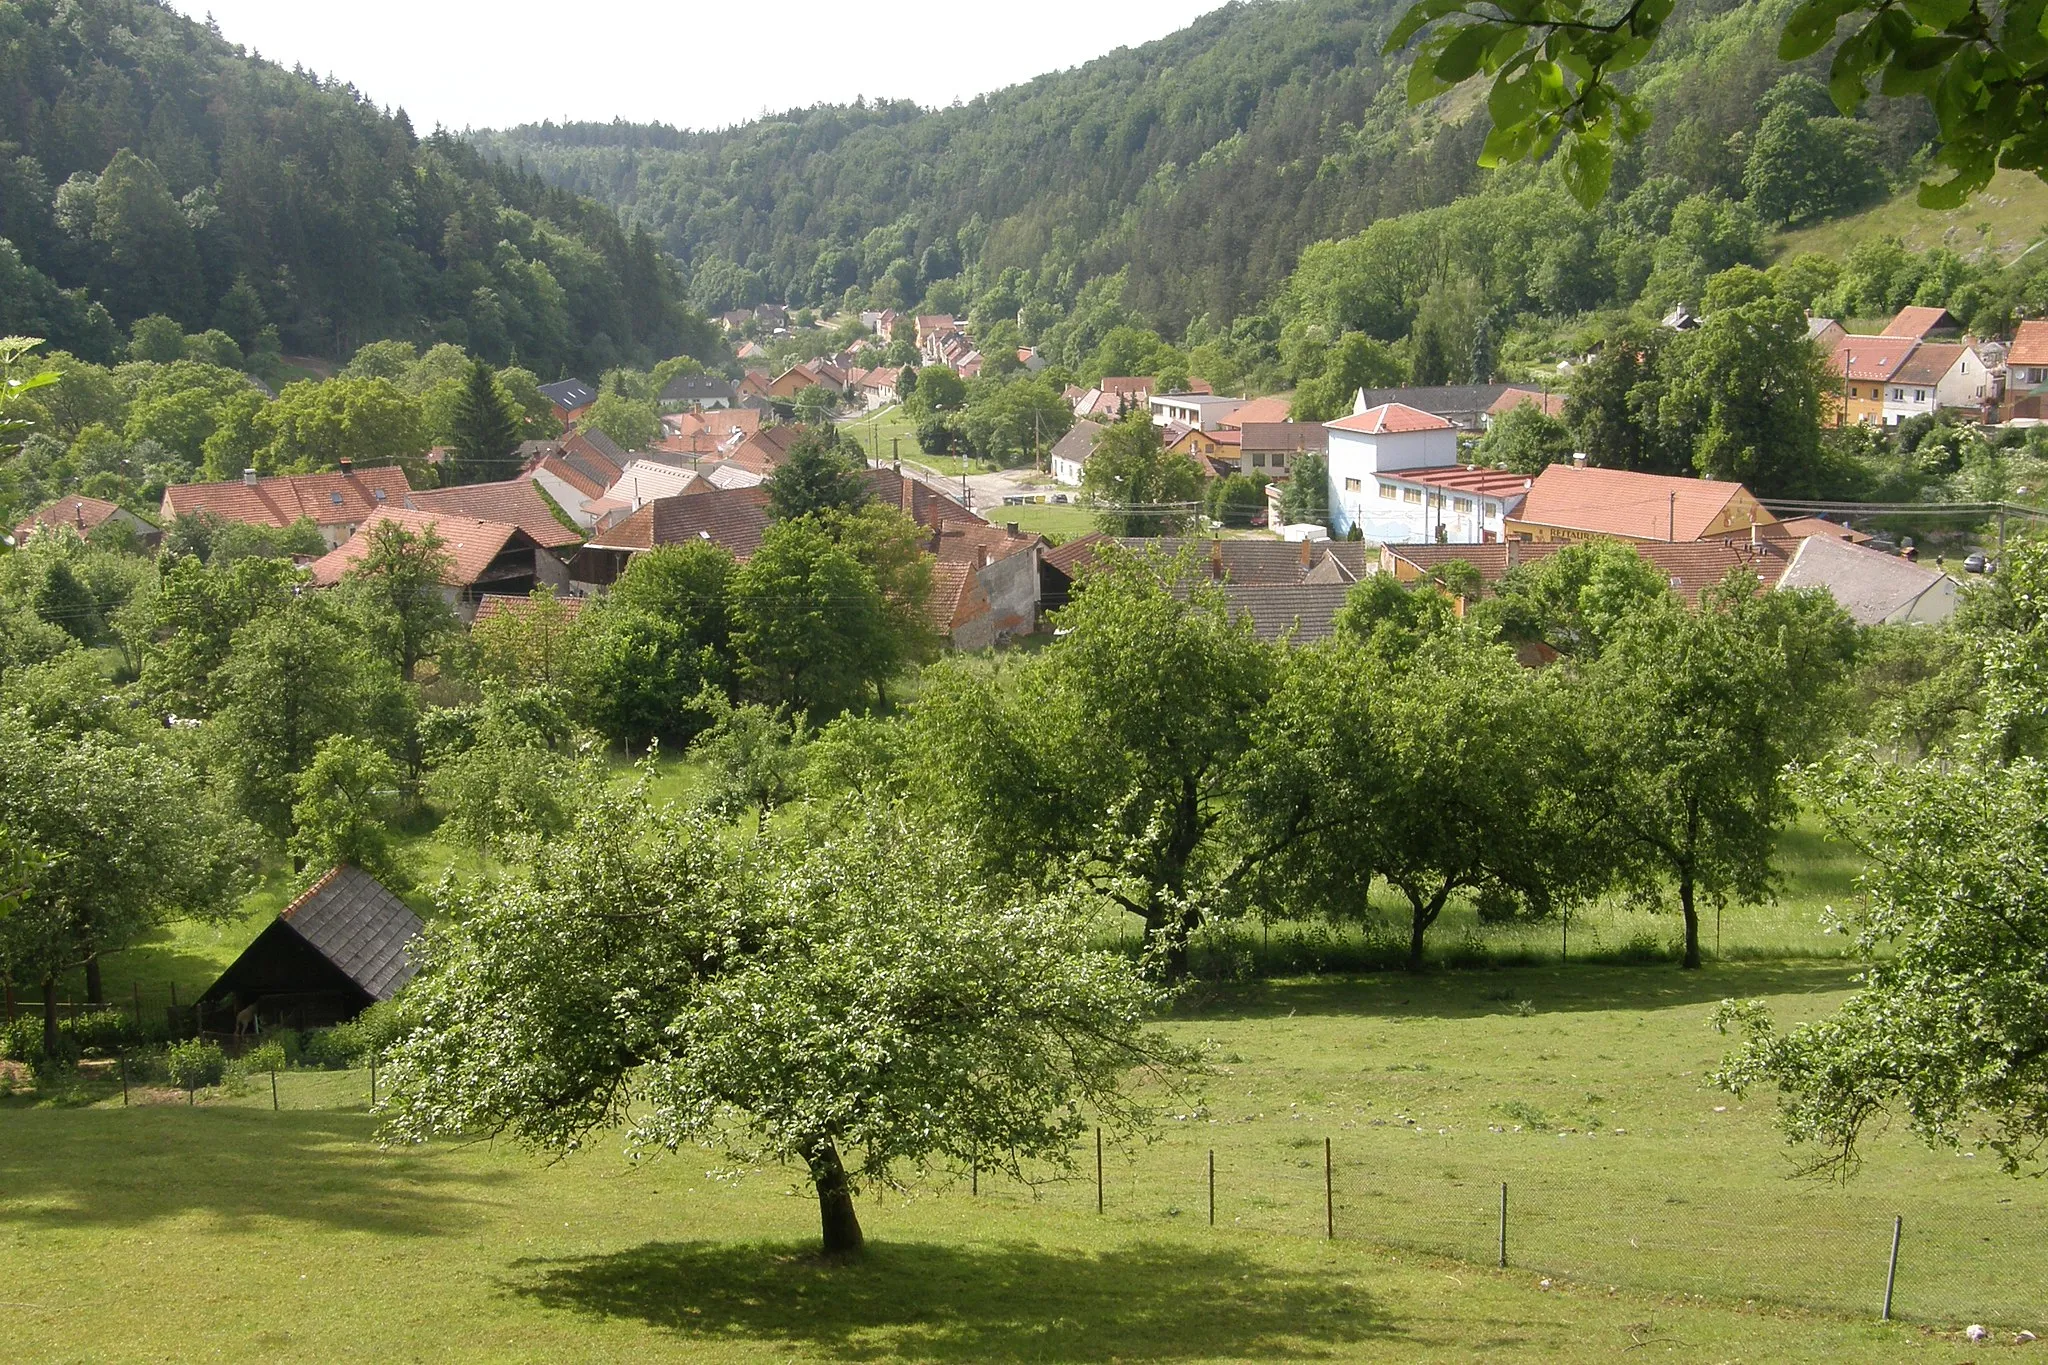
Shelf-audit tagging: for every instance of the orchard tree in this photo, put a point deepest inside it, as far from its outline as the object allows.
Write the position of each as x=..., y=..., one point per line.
x=860, y=1004
x=118, y=839
x=1949, y=1026
x=1691, y=716
x=755, y=759
x=1744, y=390
x=1525, y=439
x=397, y=588
x=810, y=627
x=528, y=644
x=345, y=800
x=633, y=423
x=1113, y=758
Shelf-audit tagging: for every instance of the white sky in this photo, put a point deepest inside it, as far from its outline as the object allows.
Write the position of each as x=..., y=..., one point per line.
x=695, y=65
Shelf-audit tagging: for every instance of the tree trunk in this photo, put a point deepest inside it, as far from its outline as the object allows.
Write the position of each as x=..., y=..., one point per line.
x=49, y=1016
x=1692, y=921
x=1417, y=926
x=95, y=992
x=835, y=1201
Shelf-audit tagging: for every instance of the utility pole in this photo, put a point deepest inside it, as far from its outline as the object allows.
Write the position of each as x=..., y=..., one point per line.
x=1671, y=525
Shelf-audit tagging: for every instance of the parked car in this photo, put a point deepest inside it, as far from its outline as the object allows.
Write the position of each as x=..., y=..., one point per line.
x=1976, y=562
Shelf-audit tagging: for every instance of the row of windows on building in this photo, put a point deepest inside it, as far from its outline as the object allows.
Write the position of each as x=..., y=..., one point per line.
x=1393, y=492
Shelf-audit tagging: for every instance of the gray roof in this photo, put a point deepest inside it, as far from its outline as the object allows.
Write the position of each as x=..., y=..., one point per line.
x=1873, y=587
x=350, y=919
x=1078, y=443
x=1308, y=610
x=1260, y=562
x=569, y=393
x=1462, y=404
x=698, y=388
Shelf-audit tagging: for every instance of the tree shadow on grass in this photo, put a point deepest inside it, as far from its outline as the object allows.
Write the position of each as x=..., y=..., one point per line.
x=101, y=1168
x=1475, y=993
x=926, y=1302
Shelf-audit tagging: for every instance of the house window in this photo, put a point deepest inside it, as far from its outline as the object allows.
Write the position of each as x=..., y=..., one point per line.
x=1279, y=462
x=1258, y=459
x=1492, y=509
x=1919, y=395
x=1411, y=495
x=1389, y=492
x=1462, y=506
x=1350, y=485
x=1898, y=395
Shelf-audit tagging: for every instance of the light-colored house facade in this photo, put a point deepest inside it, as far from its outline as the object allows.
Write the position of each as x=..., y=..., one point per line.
x=1394, y=476
x=1070, y=453
x=1935, y=376
x=1202, y=411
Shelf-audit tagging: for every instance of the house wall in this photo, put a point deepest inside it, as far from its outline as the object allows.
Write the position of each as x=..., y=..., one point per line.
x=1266, y=464
x=1066, y=471
x=1011, y=587
x=1355, y=462
x=567, y=497
x=2026, y=376
x=1966, y=385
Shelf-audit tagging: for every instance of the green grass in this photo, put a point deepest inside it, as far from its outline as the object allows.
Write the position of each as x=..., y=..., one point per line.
x=2006, y=219
x=172, y=1232
x=1660, y=1210
x=1047, y=519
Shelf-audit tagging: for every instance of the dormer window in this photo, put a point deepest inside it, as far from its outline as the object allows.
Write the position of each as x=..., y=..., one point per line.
x=334, y=498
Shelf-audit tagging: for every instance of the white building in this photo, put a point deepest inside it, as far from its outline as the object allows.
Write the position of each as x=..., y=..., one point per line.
x=1394, y=474
x=1937, y=375
x=1070, y=453
x=1202, y=411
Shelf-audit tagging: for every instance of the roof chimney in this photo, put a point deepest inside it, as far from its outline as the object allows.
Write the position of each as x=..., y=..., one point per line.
x=248, y=478
x=1306, y=554
x=1012, y=528
x=78, y=513
x=348, y=466
x=1578, y=459
x=1216, y=559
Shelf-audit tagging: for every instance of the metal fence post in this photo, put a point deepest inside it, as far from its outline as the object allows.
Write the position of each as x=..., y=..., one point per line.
x=1503, y=1224
x=1891, y=1273
x=273, y=1090
x=1212, y=1187
x=121, y=1056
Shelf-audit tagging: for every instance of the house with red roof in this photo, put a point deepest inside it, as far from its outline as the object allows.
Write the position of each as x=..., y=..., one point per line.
x=2026, y=360
x=986, y=583
x=513, y=502
x=337, y=503
x=1863, y=367
x=1921, y=323
x=1580, y=502
x=484, y=557
x=84, y=515
x=1937, y=375
x=1394, y=476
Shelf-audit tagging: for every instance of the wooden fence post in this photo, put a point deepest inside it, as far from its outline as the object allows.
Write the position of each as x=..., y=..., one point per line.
x=121, y=1057
x=1891, y=1274
x=1098, y=1170
x=1329, y=1195
x=1503, y=1224
x=1212, y=1187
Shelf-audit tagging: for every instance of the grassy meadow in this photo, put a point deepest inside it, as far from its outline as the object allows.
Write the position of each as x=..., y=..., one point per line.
x=1650, y=1214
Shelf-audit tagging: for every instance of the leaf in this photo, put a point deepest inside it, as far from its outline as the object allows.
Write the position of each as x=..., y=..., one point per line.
x=1423, y=85
x=1512, y=100
x=1952, y=193
x=1811, y=28
x=1937, y=14
x=1587, y=165
x=1463, y=53
x=1853, y=61
x=1426, y=12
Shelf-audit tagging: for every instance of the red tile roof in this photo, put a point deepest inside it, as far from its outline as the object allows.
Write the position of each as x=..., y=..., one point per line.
x=1918, y=322
x=1623, y=502
x=1465, y=478
x=1258, y=410
x=471, y=544
x=1552, y=404
x=1690, y=567
x=1870, y=358
x=738, y=517
x=1287, y=437
x=2029, y=344
x=1928, y=363
x=506, y=604
x=961, y=549
x=75, y=510
x=515, y=502
x=329, y=499
x=1390, y=419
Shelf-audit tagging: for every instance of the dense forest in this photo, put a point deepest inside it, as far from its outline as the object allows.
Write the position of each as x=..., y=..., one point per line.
x=1200, y=166
x=150, y=167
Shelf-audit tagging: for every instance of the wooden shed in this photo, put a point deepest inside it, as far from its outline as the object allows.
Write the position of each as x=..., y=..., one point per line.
x=329, y=955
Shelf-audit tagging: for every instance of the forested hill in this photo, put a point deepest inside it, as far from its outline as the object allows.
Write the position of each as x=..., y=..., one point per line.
x=1203, y=162
x=148, y=166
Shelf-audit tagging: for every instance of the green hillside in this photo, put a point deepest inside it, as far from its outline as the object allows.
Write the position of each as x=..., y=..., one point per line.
x=1200, y=166
x=1992, y=229
x=150, y=166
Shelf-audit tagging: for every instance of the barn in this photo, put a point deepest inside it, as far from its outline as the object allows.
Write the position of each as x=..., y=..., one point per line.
x=329, y=955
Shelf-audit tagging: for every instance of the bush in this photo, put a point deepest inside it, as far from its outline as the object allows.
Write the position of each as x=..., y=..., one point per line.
x=106, y=1031
x=269, y=1056
x=22, y=1040
x=331, y=1048
x=195, y=1063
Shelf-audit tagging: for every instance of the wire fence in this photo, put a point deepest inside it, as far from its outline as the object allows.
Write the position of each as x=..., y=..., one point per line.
x=1962, y=1255
x=1947, y=1252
